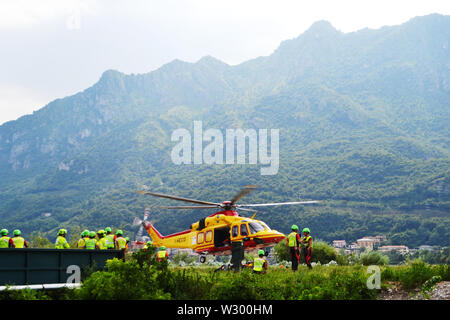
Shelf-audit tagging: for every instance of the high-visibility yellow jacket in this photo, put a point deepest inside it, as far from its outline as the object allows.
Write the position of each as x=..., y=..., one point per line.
x=81, y=244
x=161, y=254
x=292, y=239
x=19, y=242
x=101, y=243
x=258, y=264
x=109, y=241
x=305, y=241
x=121, y=243
x=4, y=242
x=61, y=243
x=90, y=243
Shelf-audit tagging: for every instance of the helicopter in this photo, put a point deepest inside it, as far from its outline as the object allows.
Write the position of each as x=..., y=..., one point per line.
x=215, y=233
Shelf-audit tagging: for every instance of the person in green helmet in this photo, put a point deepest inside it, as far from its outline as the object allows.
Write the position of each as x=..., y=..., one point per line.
x=293, y=243
x=121, y=242
x=162, y=254
x=5, y=241
x=81, y=243
x=101, y=243
x=61, y=241
x=110, y=238
x=307, y=244
x=19, y=242
x=260, y=264
x=147, y=245
x=91, y=242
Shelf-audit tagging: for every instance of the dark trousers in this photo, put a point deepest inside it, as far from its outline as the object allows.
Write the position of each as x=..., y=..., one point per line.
x=237, y=254
x=294, y=257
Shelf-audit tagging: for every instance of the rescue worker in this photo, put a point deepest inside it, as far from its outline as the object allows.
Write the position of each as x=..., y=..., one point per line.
x=260, y=264
x=293, y=243
x=19, y=242
x=307, y=244
x=121, y=242
x=101, y=243
x=81, y=243
x=91, y=242
x=162, y=254
x=110, y=239
x=61, y=241
x=5, y=241
x=148, y=244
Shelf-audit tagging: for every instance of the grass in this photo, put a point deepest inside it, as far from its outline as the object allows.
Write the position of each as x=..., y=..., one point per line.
x=145, y=279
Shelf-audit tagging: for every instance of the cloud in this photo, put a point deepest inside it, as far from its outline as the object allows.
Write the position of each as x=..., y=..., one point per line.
x=54, y=48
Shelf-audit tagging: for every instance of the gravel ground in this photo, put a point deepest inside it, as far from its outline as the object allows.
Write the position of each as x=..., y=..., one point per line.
x=441, y=291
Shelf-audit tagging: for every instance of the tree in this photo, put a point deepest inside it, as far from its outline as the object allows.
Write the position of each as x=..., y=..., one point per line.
x=37, y=240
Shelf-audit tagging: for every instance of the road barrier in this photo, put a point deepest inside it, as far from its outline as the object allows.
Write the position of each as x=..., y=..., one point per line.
x=39, y=266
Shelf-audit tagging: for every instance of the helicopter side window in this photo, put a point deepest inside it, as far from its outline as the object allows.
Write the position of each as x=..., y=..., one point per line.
x=244, y=230
x=234, y=232
x=208, y=236
x=255, y=227
x=200, y=237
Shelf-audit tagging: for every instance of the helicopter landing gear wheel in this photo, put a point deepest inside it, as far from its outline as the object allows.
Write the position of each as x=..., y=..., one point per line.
x=202, y=259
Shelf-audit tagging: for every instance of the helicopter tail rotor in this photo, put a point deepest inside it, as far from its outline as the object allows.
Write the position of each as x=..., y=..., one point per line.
x=137, y=222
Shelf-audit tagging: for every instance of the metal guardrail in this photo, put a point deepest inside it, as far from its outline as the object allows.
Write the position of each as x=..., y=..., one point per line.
x=31, y=266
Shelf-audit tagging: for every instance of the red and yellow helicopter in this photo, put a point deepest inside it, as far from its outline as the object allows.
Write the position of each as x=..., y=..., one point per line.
x=215, y=233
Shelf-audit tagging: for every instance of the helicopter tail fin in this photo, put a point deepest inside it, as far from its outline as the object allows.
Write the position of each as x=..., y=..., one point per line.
x=154, y=234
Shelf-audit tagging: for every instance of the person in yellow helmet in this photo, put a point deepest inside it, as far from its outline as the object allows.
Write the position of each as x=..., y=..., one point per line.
x=162, y=254
x=260, y=264
x=19, y=242
x=101, y=243
x=293, y=243
x=61, y=241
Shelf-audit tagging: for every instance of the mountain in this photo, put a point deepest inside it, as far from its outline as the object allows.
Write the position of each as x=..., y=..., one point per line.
x=362, y=118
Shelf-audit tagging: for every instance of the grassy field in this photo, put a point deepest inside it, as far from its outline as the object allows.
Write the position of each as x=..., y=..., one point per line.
x=143, y=278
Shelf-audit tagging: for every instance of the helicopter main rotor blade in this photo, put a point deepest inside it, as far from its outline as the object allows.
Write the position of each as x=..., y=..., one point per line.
x=276, y=204
x=162, y=195
x=245, y=191
x=189, y=207
x=251, y=210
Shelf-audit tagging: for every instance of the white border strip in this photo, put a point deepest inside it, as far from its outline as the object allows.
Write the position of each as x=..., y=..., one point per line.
x=42, y=286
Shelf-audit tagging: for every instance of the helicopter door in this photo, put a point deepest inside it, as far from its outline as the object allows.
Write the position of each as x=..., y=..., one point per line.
x=222, y=237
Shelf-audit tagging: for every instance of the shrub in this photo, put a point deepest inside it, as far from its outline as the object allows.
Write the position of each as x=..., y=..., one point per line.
x=321, y=252
x=369, y=258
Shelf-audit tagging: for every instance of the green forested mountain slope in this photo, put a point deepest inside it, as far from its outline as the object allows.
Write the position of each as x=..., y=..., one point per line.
x=363, y=120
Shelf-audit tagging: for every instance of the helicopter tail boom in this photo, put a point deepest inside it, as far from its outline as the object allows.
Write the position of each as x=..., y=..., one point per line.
x=176, y=240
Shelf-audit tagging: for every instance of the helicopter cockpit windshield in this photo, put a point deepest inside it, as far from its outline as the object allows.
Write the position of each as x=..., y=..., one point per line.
x=265, y=225
x=255, y=227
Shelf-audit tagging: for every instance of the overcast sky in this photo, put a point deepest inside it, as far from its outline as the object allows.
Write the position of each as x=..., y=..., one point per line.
x=52, y=48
